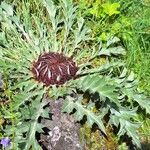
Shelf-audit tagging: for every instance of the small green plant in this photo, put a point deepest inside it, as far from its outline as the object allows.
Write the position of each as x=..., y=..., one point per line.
x=99, y=10
x=25, y=38
x=102, y=17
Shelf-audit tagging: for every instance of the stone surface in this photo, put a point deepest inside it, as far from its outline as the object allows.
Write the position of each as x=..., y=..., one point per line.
x=61, y=132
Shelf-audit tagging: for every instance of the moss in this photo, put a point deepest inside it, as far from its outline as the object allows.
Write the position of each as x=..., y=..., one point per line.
x=95, y=140
x=98, y=61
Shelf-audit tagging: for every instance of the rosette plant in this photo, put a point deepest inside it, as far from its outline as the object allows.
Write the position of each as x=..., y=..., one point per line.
x=50, y=54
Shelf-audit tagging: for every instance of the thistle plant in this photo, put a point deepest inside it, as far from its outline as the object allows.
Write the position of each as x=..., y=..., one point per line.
x=50, y=55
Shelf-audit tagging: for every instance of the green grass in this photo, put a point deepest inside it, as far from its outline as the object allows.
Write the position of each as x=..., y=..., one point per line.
x=136, y=39
x=137, y=42
x=132, y=25
x=138, y=47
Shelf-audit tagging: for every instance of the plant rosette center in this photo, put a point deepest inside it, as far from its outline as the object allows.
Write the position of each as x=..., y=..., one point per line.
x=54, y=69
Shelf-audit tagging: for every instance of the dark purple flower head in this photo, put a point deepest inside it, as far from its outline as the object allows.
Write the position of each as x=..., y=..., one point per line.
x=5, y=142
x=54, y=69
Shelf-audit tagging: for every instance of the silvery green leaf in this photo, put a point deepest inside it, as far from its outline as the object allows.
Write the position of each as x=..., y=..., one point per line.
x=124, y=73
x=51, y=9
x=92, y=118
x=123, y=118
x=131, y=77
x=143, y=101
x=7, y=8
x=101, y=85
x=112, y=40
x=81, y=34
x=115, y=51
x=45, y=113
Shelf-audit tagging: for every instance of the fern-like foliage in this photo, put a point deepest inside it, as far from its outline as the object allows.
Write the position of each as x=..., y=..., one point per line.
x=119, y=95
x=82, y=111
x=101, y=85
x=24, y=36
x=124, y=119
x=32, y=114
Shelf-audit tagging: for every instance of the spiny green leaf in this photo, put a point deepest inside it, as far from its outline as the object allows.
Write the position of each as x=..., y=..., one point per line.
x=143, y=101
x=51, y=9
x=7, y=8
x=21, y=98
x=123, y=118
x=96, y=83
x=35, y=126
x=115, y=51
x=112, y=40
x=92, y=118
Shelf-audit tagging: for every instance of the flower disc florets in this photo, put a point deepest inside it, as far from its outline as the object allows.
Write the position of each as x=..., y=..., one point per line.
x=54, y=69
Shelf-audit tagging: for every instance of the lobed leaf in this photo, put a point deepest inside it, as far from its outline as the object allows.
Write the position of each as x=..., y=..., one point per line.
x=124, y=119
x=81, y=111
x=96, y=83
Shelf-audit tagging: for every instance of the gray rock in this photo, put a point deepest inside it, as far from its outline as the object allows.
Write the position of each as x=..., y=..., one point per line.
x=63, y=130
